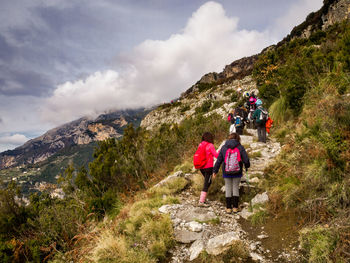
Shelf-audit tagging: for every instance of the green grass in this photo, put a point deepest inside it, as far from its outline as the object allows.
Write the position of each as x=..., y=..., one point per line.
x=319, y=243
x=259, y=217
x=145, y=235
x=238, y=252
x=215, y=221
x=255, y=155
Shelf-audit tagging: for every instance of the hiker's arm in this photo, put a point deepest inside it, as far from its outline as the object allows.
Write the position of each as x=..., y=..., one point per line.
x=213, y=151
x=218, y=162
x=245, y=158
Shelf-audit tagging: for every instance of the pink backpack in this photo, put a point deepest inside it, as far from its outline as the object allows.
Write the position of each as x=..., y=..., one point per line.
x=232, y=161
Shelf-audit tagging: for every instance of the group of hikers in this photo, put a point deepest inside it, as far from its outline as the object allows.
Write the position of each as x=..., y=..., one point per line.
x=232, y=156
x=253, y=114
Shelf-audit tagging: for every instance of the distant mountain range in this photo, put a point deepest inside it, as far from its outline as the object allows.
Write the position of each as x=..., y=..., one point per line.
x=79, y=132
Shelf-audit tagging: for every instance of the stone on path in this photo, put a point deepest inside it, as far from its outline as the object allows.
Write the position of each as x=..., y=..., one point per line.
x=253, y=132
x=194, y=226
x=258, y=145
x=254, y=180
x=257, y=257
x=196, y=248
x=245, y=139
x=185, y=236
x=169, y=178
x=219, y=244
x=196, y=214
x=260, y=199
x=165, y=209
x=245, y=213
x=262, y=236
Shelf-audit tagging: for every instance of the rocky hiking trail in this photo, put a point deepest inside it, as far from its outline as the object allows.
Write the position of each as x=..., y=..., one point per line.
x=211, y=229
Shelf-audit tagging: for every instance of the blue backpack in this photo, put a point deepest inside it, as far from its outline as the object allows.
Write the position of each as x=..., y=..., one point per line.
x=238, y=121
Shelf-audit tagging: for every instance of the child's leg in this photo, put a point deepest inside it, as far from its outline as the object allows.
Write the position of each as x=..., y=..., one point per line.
x=235, y=191
x=207, y=174
x=228, y=192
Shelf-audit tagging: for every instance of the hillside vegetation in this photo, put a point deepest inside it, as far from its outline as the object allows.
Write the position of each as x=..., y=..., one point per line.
x=120, y=169
x=109, y=215
x=306, y=82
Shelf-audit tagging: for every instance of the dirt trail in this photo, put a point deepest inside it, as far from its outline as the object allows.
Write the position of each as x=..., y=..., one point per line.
x=212, y=229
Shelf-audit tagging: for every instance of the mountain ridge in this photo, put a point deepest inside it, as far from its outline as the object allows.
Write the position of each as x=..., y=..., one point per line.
x=78, y=132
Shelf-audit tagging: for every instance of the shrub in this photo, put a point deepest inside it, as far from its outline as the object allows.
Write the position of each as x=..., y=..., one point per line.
x=228, y=92
x=184, y=108
x=234, y=97
x=204, y=108
x=259, y=217
x=205, y=86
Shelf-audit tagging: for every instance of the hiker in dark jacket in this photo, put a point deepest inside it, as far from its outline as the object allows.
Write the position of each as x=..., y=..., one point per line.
x=242, y=114
x=232, y=180
x=259, y=122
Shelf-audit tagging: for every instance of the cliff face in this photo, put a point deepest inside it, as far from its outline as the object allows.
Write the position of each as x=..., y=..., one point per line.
x=337, y=12
x=82, y=131
x=332, y=11
x=237, y=70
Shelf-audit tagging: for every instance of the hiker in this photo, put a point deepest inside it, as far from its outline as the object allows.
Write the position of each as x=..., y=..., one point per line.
x=231, y=119
x=240, y=118
x=232, y=156
x=206, y=152
x=260, y=116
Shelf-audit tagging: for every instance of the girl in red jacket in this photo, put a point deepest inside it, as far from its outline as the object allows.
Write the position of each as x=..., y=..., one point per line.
x=207, y=170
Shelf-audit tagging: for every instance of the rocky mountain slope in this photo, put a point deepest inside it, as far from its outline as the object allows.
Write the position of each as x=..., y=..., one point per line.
x=78, y=132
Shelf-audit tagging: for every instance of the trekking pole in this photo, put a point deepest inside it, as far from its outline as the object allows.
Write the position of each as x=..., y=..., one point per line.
x=247, y=179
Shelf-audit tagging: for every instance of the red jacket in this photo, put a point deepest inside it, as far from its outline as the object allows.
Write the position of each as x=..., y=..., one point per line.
x=210, y=154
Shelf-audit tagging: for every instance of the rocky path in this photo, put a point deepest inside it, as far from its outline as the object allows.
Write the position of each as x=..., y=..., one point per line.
x=211, y=228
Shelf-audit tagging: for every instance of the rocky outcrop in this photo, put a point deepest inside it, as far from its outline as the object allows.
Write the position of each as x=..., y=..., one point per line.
x=332, y=11
x=82, y=131
x=337, y=12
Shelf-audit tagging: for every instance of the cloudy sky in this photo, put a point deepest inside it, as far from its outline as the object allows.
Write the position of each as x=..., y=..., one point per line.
x=63, y=59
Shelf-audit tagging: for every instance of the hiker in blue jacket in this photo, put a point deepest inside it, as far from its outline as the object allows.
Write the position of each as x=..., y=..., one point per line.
x=232, y=179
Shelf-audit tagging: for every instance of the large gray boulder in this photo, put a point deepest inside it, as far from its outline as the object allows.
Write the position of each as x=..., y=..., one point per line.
x=196, y=214
x=260, y=199
x=221, y=243
x=196, y=248
x=169, y=178
x=185, y=236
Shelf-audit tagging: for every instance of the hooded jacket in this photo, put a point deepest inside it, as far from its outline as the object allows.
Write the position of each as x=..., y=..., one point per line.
x=231, y=144
x=210, y=153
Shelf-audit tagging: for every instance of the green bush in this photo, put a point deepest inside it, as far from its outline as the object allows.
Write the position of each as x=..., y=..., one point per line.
x=205, y=86
x=228, y=92
x=204, y=108
x=184, y=108
x=234, y=97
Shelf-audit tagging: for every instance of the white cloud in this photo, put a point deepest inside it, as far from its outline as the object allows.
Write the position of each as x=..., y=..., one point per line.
x=294, y=16
x=157, y=71
x=12, y=141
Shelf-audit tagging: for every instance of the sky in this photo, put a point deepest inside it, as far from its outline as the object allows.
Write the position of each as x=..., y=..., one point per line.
x=61, y=59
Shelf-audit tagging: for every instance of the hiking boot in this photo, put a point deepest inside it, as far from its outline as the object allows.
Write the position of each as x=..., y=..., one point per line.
x=228, y=210
x=203, y=204
x=235, y=210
